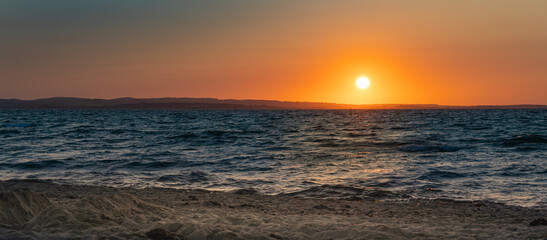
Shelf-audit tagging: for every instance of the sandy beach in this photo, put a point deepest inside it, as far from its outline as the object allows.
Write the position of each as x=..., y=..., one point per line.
x=42, y=210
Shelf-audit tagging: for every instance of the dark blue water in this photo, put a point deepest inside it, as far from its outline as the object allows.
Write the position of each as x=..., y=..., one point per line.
x=498, y=155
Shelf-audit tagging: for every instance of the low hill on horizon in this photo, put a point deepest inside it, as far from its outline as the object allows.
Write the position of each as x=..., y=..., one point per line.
x=218, y=104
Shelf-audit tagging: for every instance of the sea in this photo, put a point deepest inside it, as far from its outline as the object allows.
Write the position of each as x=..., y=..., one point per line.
x=493, y=155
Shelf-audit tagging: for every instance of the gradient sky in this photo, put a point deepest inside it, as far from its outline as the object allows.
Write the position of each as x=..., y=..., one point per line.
x=462, y=52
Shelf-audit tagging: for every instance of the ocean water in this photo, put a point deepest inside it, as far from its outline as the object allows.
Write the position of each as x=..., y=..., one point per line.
x=496, y=155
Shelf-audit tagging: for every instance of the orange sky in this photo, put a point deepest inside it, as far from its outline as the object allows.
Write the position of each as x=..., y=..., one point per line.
x=443, y=52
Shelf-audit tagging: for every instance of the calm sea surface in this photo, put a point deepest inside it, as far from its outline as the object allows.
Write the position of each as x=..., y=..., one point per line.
x=498, y=155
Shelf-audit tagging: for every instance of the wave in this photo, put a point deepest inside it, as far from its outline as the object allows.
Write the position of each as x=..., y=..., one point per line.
x=330, y=145
x=82, y=129
x=117, y=131
x=198, y=176
x=429, y=148
x=151, y=165
x=192, y=177
x=216, y=133
x=524, y=139
x=438, y=174
x=9, y=131
x=124, y=130
x=356, y=135
x=183, y=136
x=17, y=125
x=37, y=164
x=520, y=170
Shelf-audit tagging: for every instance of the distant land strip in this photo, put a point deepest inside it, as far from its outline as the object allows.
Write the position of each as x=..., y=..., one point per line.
x=219, y=104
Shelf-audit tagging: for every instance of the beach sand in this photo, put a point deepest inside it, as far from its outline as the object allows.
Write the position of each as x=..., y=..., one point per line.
x=43, y=210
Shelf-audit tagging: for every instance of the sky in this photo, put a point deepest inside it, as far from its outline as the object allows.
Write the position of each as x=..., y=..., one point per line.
x=466, y=52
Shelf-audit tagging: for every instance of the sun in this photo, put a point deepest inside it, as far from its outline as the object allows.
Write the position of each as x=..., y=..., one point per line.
x=362, y=82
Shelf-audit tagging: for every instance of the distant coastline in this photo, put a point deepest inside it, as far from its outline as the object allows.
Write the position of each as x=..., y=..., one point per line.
x=219, y=104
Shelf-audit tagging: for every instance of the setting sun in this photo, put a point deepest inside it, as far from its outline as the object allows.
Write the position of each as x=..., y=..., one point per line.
x=362, y=82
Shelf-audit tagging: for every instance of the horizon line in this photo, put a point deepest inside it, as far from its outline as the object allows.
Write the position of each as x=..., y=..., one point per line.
x=285, y=101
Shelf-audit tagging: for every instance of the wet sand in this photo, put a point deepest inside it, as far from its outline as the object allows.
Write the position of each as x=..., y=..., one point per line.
x=42, y=210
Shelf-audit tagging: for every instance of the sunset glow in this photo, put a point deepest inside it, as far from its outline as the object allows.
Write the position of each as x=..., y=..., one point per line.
x=441, y=52
x=362, y=82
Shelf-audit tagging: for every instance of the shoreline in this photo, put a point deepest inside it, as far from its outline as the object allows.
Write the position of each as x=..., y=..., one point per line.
x=43, y=210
